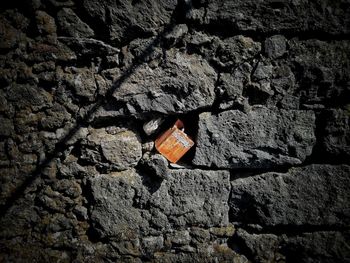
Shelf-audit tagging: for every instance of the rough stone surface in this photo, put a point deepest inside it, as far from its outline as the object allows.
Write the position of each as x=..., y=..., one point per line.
x=272, y=16
x=312, y=195
x=194, y=198
x=263, y=88
x=337, y=134
x=183, y=83
x=257, y=139
x=275, y=46
x=325, y=246
x=122, y=149
x=127, y=20
x=178, y=201
x=72, y=25
x=113, y=213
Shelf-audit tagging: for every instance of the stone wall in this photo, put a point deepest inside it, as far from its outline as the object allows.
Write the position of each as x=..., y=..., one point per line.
x=263, y=87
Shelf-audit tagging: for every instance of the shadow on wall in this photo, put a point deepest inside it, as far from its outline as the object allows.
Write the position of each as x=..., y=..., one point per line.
x=182, y=9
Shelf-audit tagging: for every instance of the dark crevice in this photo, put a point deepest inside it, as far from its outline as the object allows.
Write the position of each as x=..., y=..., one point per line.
x=238, y=245
x=224, y=29
x=319, y=154
x=292, y=230
x=99, y=27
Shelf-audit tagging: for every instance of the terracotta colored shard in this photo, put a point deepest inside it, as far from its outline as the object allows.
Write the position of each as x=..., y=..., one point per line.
x=174, y=143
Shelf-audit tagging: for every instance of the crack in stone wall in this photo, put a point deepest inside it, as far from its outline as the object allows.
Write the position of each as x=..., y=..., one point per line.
x=264, y=86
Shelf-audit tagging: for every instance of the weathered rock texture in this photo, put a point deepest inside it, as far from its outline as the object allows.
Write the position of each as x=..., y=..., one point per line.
x=262, y=86
x=260, y=138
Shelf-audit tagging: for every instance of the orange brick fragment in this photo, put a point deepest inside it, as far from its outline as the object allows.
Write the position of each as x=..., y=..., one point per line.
x=174, y=143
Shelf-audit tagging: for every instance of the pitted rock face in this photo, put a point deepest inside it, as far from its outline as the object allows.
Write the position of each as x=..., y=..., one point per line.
x=122, y=149
x=182, y=84
x=301, y=196
x=271, y=16
x=194, y=197
x=187, y=197
x=125, y=20
x=256, y=139
x=113, y=213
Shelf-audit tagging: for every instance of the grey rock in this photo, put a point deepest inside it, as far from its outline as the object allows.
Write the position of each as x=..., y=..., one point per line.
x=152, y=244
x=177, y=33
x=325, y=246
x=181, y=237
x=124, y=150
x=10, y=35
x=18, y=219
x=81, y=212
x=81, y=80
x=336, y=134
x=128, y=247
x=71, y=25
x=321, y=246
x=260, y=138
x=210, y=253
x=187, y=197
x=272, y=16
x=259, y=93
x=42, y=52
x=262, y=71
x=113, y=213
x=68, y=187
x=145, y=50
x=275, y=46
x=89, y=47
x=156, y=165
x=55, y=118
x=147, y=146
x=263, y=247
x=61, y=3
x=233, y=83
x=194, y=197
x=199, y=236
x=322, y=70
x=183, y=83
x=313, y=195
x=203, y=44
x=236, y=50
x=120, y=150
x=124, y=21
x=6, y=127
x=26, y=96
x=45, y=23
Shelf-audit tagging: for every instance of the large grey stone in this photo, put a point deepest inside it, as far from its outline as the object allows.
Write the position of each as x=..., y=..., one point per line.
x=113, y=213
x=26, y=96
x=186, y=198
x=336, y=140
x=320, y=246
x=260, y=138
x=71, y=25
x=183, y=83
x=275, y=46
x=234, y=51
x=274, y=16
x=315, y=195
x=125, y=20
x=81, y=80
x=89, y=47
x=322, y=69
x=122, y=149
x=194, y=197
